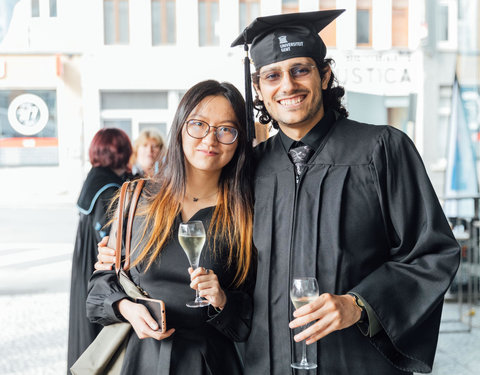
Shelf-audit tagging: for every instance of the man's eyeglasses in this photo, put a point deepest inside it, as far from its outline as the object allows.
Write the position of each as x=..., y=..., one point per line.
x=199, y=129
x=298, y=72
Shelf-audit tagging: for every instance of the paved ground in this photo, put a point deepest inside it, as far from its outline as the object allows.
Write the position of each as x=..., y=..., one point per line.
x=458, y=351
x=33, y=334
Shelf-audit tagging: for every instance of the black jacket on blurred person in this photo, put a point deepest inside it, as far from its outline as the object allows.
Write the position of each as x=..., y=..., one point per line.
x=109, y=153
x=100, y=186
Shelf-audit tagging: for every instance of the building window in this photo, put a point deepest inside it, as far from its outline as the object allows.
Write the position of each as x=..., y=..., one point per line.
x=163, y=22
x=442, y=29
x=53, y=8
x=125, y=125
x=447, y=33
x=35, y=8
x=133, y=100
x=364, y=23
x=400, y=23
x=328, y=34
x=289, y=6
x=249, y=10
x=115, y=21
x=134, y=111
x=207, y=23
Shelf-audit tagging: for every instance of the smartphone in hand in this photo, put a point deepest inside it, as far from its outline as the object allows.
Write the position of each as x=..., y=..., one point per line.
x=156, y=308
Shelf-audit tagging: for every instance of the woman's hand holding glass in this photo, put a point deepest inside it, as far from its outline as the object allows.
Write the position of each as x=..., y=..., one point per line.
x=141, y=320
x=206, y=282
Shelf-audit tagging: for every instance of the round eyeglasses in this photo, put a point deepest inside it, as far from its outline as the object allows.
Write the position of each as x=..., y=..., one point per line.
x=200, y=129
x=274, y=76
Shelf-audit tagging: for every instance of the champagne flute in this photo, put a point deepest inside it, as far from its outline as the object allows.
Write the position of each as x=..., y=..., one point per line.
x=191, y=236
x=304, y=290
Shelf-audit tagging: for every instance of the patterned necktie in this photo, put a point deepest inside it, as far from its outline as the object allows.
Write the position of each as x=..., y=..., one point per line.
x=300, y=156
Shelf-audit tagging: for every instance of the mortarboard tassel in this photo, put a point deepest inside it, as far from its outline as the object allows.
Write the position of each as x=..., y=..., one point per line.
x=248, y=93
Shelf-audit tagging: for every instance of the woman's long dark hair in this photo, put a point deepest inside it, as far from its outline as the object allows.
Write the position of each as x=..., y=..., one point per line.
x=332, y=96
x=233, y=216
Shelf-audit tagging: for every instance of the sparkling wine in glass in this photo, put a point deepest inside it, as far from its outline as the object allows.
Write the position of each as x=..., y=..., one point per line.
x=191, y=236
x=304, y=290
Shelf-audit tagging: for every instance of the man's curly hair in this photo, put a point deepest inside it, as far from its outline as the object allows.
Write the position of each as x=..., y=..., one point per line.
x=332, y=96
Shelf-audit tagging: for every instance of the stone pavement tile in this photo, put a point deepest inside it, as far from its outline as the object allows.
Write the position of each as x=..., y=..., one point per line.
x=33, y=337
x=458, y=351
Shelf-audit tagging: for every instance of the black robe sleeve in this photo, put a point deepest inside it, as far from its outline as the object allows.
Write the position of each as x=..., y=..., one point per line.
x=235, y=320
x=104, y=290
x=406, y=293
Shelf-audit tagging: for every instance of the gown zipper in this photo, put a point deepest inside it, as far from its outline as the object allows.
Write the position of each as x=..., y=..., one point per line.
x=298, y=180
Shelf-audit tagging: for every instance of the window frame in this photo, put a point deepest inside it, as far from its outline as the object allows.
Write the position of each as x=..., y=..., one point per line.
x=360, y=6
x=209, y=36
x=451, y=43
x=116, y=20
x=164, y=22
x=330, y=29
x=248, y=16
x=287, y=8
x=397, y=23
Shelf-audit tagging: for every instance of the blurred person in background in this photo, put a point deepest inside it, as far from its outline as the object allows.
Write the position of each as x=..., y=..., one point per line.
x=148, y=150
x=109, y=154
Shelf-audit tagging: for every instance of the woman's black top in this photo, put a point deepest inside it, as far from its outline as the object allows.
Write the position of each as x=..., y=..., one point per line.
x=203, y=342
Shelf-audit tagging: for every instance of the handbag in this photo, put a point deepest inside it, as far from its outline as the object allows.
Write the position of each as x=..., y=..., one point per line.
x=106, y=353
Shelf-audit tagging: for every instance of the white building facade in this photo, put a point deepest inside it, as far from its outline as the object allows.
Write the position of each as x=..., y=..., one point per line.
x=126, y=63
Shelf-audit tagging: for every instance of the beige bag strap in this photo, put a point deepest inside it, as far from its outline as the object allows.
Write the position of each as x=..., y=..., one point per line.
x=131, y=216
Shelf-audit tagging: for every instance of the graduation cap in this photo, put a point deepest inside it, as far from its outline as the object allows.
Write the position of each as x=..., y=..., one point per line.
x=282, y=37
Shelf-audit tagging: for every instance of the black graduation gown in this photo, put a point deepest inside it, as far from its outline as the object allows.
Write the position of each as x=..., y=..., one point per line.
x=98, y=188
x=364, y=218
x=203, y=342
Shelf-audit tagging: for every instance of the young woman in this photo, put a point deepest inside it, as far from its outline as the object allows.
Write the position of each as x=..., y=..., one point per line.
x=109, y=154
x=148, y=150
x=205, y=177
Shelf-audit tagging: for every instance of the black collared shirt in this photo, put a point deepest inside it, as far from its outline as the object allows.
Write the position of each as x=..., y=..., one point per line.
x=315, y=136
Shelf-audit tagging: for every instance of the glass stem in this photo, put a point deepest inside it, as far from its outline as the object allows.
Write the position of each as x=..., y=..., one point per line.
x=197, y=297
x=304, y=351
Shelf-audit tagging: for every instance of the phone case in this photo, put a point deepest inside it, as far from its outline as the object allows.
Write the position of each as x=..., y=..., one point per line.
x=156, y=308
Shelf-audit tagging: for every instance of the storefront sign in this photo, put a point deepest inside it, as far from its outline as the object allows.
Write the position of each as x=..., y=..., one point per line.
x=28, y=114
x=28, y=128
x=378, y=73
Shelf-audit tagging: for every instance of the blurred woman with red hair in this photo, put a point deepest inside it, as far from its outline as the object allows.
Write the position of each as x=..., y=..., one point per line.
x=109, y=154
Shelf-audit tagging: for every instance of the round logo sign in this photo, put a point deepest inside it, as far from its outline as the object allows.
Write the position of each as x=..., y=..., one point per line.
x=28, y=114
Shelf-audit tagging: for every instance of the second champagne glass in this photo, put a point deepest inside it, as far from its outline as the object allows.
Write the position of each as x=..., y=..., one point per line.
x=304, y=290
x=191, y=236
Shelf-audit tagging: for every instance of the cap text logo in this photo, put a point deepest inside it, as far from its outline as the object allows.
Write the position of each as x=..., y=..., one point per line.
x=285, y=46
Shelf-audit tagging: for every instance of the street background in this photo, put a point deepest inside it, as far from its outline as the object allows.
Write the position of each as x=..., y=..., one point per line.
x=37, y=231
